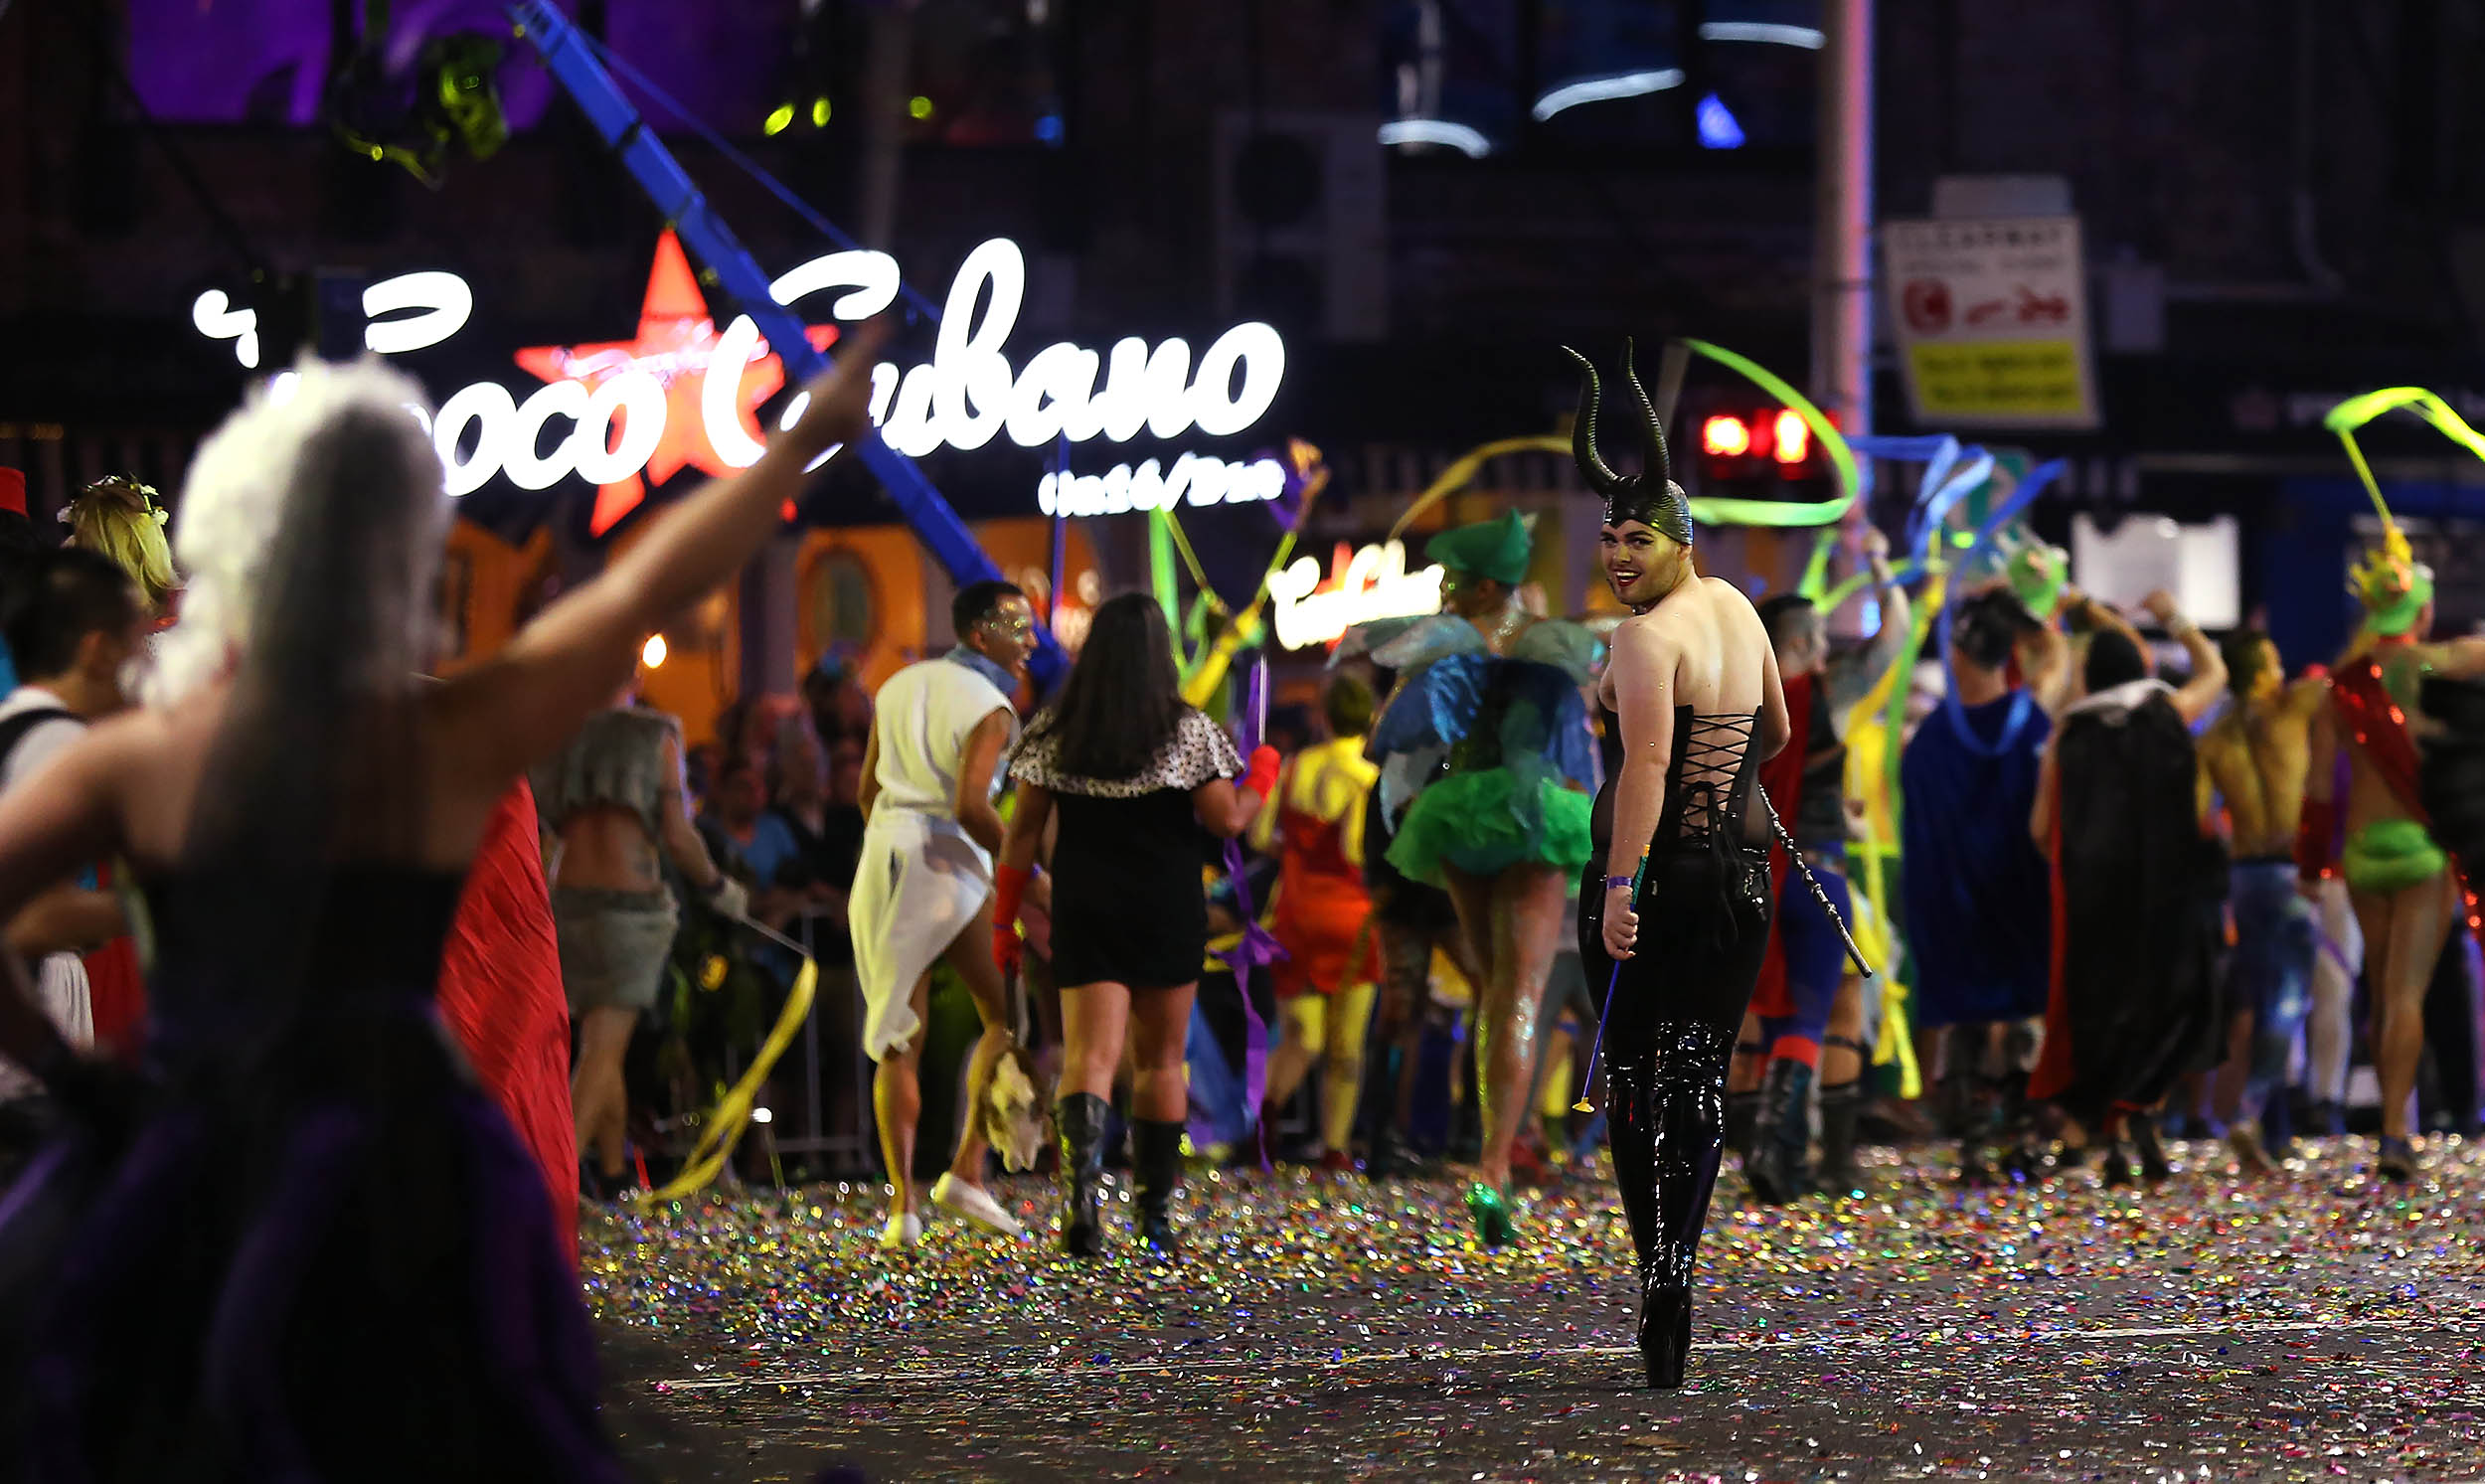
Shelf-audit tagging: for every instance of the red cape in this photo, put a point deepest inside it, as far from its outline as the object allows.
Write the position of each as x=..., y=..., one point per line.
x=500, y=992
x=1781, y=778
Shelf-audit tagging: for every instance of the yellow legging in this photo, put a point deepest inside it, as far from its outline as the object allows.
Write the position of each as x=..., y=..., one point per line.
x=1335, y=1025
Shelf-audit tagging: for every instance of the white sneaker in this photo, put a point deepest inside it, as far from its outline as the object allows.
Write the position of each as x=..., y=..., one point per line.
x=976, y=1203
x=904, y=1230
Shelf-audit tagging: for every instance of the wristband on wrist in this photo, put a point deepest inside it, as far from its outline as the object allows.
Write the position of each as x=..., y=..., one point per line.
x=1612, y=882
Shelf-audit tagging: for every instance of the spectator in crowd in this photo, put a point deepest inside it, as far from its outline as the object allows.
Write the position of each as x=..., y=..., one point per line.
x=744, y=837
x=123, y=520
x=827, y=831
x=18, y=546
x=74, y=621
x=1322, y=915
x=614, y=800
x=840, y=708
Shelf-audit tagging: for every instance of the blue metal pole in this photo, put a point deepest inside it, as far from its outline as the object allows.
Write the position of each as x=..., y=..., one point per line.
x=730, y=267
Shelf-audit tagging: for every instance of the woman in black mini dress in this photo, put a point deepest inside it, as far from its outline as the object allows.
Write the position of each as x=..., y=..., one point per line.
x=1140, y=781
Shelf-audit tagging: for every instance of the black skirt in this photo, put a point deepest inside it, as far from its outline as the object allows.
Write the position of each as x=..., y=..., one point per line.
x=1129, y=903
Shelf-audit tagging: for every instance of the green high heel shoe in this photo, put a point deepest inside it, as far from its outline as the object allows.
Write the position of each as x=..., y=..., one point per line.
x=1489, y=1209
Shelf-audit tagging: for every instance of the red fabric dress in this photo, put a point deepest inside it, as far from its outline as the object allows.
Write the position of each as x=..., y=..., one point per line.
x=1321, y=903
x=117, y=988
x=500, y=992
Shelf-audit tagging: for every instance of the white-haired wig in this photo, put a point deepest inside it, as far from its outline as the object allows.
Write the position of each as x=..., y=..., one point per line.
x=250, y=478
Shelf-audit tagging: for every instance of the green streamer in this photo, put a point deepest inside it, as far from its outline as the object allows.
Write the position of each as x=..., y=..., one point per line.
x=1778, y=513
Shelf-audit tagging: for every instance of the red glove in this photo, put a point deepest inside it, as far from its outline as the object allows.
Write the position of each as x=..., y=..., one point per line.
x=1009, y=887
x=1261, y=776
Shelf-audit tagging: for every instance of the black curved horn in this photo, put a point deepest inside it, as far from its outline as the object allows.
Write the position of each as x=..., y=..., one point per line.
x=1660, y=465
x=1584, y=430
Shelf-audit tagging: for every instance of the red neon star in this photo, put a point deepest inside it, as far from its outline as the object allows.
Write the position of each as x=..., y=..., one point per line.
x=676, y=342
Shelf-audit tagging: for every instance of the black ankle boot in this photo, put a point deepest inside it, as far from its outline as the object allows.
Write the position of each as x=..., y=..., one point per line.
x=2143, y=1132
x=1081, y=1118
x=1742, y=1117
x=1156, y=1149
x=1668, y=1120
x=1780, y=1166
x=1841, y=1108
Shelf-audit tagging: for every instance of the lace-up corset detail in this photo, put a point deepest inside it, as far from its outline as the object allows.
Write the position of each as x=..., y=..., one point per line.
x=1706, y=789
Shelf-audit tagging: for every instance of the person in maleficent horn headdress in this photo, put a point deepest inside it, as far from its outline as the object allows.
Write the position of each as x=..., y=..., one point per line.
x=2408, y=822
x=1675, y=903
x=1493, y=693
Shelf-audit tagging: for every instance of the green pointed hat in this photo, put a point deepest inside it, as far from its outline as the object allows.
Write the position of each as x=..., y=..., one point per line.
x=1495, y=549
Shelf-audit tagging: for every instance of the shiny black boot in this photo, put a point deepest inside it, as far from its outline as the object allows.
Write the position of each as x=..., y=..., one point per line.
x=1667, y=1115
x=1780, y=1166
x=1082, y=1118
x=1156, y=1149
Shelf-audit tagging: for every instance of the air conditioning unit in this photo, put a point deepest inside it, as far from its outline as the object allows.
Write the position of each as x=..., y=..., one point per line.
x=1303, y=223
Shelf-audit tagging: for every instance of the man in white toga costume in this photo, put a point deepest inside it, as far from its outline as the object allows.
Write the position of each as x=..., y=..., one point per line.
x=922, y=891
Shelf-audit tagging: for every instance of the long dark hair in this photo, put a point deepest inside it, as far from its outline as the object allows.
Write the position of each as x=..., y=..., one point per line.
x=1122, y=699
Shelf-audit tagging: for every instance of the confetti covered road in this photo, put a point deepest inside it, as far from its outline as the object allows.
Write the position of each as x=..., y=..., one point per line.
x=2309, y=1327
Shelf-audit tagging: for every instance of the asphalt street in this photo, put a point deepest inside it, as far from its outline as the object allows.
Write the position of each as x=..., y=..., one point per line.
x=2311, y=1327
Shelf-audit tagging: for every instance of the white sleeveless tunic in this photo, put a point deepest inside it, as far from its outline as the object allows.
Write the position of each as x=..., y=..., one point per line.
x=920, y=879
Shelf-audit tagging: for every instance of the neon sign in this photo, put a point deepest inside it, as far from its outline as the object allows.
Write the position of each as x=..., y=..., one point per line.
x=1203, y=478
x=1372, y=583
x=649, y=405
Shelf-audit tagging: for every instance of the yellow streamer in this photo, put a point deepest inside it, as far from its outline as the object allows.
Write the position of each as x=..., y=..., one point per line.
x=1462, y=470
x=2353, y=414
x=1244, y=629
x=732, y=1115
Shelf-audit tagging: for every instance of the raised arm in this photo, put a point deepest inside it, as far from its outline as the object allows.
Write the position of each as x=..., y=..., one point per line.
x=2460, y=659
x=2209, y=668
x=1852, y=678
x=2048, y=673
x=564, y=663
x=974, y=801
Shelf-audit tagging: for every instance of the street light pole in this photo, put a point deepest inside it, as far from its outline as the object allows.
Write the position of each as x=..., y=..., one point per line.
x=1842, y=279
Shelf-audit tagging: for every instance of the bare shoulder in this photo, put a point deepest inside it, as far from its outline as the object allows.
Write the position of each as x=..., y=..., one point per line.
x=1654, y=632
x=1720, y=586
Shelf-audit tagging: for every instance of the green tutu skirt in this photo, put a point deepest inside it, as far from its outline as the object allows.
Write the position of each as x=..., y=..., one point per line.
x=1485, y=822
